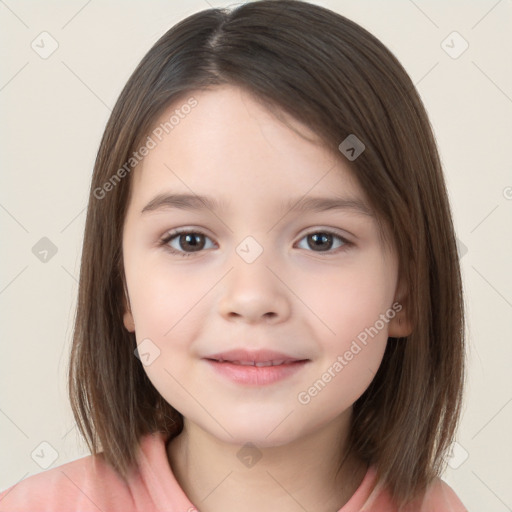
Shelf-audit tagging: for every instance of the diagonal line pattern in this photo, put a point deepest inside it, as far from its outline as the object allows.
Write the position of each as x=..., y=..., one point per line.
x=69, y=431
x=86, y=85
x=495, y=289
x=13, y=13
x=286, y=491
x=424, y=14
x=13, y=279
x=280, y=423
x=13, y=486
x=300, y=299
x=14, y=423
x=492, y=81
x=13, y=217
x=497, y=497
x=485, y=15
x=75, y=15
x=14, y=76
x=492, y=211
x=81, y=491
x=72, y=220
x=217, y=486
x=69, y=273
x=503, y=407
x=428, y=72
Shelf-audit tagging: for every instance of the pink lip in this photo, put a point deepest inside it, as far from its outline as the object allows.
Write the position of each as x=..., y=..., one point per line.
x=255, y=375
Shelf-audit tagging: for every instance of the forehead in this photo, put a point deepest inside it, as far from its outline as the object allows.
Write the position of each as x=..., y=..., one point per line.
x=231, y=145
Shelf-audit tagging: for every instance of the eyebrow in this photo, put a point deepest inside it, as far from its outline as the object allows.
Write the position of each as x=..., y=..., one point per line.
x=303, y=204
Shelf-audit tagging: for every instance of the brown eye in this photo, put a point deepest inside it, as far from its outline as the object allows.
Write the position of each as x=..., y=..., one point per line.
x=185, y=243
x=323, y=241
x=191, y=241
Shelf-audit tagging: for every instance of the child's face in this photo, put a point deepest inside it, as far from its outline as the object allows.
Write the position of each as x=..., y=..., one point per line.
x=309, y=297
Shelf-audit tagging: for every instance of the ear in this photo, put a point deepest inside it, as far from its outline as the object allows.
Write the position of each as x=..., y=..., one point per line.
x=127, y=316
x=400, y=325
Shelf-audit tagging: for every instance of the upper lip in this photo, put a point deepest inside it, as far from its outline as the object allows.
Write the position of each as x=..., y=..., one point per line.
x=257, y=356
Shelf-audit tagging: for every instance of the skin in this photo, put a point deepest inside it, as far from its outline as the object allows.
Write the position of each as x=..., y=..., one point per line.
x=294, y=298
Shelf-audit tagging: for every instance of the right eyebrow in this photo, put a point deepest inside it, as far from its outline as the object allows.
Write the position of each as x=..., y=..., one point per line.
x=183, y=202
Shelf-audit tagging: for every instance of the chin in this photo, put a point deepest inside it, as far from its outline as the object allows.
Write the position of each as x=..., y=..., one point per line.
x=269, y=432
x=258, y=438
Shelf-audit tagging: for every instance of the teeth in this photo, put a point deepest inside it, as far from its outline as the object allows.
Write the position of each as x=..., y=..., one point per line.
x=254, y=363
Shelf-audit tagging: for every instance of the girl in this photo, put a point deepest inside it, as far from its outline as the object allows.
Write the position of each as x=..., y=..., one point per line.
x=270, y=309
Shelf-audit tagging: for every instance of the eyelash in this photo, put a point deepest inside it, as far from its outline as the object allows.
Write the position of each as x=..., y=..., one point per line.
x=167, y=238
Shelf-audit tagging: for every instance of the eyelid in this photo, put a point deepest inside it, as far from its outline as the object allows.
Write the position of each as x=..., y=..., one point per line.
x=185, y=230
x=346, y=243
x=333, y=231
x=169, y=235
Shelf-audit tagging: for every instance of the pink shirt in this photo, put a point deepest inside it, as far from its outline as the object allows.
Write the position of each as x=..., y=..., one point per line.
x=89, y=484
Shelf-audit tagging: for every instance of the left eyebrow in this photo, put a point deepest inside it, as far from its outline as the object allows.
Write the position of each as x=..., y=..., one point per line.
x=300, y=205
x=322, y=204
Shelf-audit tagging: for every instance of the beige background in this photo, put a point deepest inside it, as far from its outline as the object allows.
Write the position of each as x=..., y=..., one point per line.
x=53, y=113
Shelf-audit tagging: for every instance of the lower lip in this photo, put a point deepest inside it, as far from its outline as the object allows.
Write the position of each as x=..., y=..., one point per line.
x=256, y=375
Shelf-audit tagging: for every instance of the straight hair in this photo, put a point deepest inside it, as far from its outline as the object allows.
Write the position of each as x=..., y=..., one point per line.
x=337, y=79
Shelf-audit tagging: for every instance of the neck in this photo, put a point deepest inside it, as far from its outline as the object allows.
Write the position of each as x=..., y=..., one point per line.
x=300, y=475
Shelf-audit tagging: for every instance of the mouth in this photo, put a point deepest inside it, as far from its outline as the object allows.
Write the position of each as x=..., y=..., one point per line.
x=260, y=357
x=255, y=368
x=258, y=363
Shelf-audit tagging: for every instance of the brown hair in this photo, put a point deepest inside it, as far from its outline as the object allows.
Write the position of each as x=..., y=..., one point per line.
x=338, y=79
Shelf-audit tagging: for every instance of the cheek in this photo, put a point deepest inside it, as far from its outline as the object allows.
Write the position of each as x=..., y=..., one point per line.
x=344, y=379
x=353, y=306
x=349, y=299
x=165, y=306
x=164, y=299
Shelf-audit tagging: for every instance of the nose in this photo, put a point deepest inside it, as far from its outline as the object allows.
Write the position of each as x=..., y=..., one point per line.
x=254, y=293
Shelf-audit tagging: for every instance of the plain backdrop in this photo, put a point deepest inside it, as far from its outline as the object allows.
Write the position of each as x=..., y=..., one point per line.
x=54, y=108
